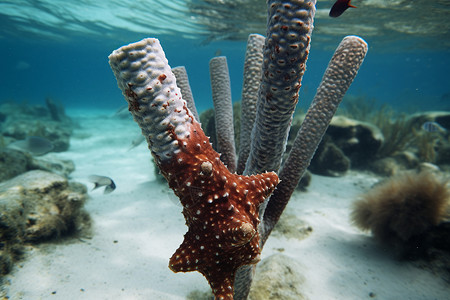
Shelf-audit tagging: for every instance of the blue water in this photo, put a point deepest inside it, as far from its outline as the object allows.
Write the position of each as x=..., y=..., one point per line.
x=76, y=71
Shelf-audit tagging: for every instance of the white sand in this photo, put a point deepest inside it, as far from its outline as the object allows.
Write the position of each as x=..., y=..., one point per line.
x=144, y=219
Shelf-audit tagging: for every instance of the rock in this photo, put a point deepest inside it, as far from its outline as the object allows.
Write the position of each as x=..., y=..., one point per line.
x=443, y=154
x=359, y=141
x=438, y=143
x=12, y=227
x=387, y=166
x=329, y=160
x=21, y=120
x=393, y=165
x=440, y=117
x=56, y=110
x=428, y=167
x=346, y=143
x=290, y=226
x=200, y=295
x=304, y=182
x=278, y=277
x=12, y=163
x=52, y=164
x=407, y=159
x=38, y=206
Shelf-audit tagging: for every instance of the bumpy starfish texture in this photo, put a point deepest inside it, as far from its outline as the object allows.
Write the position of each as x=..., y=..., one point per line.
x=221, y=209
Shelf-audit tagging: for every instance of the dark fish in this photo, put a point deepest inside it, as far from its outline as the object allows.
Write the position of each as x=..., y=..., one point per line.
x=432, y=126
x=34, y=145
x=339, y=7
x=100, y=181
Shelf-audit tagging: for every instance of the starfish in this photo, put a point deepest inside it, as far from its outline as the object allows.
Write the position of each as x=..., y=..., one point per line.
x=221, y=210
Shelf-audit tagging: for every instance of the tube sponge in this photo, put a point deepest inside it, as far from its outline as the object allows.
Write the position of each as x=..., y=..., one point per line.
x=403, y=210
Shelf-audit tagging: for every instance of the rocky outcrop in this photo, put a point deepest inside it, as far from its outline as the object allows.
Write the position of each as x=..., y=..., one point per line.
x=278, y=277
x=14, y=163
x=37, y=206
x=18, y=121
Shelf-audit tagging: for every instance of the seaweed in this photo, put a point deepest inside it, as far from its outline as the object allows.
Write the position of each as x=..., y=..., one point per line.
x=396, y=129
x=426, y=144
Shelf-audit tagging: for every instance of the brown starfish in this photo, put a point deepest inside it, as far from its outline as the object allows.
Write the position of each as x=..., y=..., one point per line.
x=221, y=210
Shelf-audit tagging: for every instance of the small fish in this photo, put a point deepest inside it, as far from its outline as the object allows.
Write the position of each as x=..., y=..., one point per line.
x=339, y=7
x=432, y=126
x=136, y=141
x=100, y=181
x=122, y=113
x=34, y=145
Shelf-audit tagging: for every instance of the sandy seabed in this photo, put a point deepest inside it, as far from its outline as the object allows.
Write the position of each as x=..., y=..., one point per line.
x=138, y=227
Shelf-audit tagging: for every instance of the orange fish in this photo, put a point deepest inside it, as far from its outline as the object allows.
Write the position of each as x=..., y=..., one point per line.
x=339, y=7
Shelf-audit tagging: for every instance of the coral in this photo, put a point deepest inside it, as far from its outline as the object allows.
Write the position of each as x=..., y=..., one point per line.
x=252, y=70
x=183, y=83
x=222, y=209
x=338, y=76
x=286, y=50
x=402, y=210
x=221, y=94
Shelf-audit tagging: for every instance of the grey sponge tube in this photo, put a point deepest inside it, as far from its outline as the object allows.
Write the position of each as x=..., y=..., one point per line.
x=339, y=75
x=221, y=92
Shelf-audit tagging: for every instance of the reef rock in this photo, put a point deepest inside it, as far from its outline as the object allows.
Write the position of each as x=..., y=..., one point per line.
x=290, y=226
x=329, y=159
x=302, y=186
x=52, y=164
x=442, y=145
x=440, y=117
x=278, y=277
x=389, y=166
x=18, y=121
x=358, y=140
x=347, y=143
x=38, y=206
x=14, y=162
